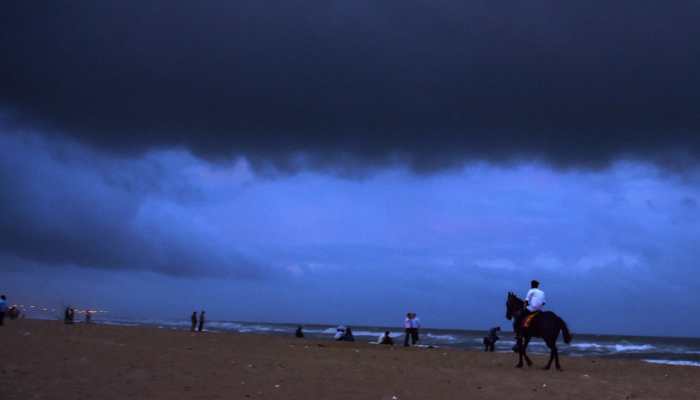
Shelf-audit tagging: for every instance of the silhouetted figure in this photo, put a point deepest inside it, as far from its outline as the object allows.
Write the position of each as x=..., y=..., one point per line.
x=491, y=339
x=3, y=309
x=411, y=325
x=415, y=327
x=348, y=337
x=194, y=320
x=88, y=317
x=386, y=339
x=299, y=333
x=201, y=321
x=69, y=316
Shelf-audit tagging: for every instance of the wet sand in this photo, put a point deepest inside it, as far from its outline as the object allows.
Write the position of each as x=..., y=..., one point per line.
x=49, y=360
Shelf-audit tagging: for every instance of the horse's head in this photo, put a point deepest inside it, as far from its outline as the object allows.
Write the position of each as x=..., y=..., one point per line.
x=514, y=306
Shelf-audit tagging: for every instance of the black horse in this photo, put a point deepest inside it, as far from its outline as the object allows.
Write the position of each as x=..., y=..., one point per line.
x=545, y=325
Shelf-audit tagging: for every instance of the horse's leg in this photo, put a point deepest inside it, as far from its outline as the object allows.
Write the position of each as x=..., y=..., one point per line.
x=556, y=357
x=519, y=343
x=527, y=359
x=552, y=349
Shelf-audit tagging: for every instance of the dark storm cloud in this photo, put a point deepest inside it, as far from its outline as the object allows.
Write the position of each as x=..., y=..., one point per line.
x=332, y=83
x=64, y=206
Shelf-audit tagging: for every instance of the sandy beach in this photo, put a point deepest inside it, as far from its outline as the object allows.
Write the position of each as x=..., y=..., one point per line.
x=49, y=360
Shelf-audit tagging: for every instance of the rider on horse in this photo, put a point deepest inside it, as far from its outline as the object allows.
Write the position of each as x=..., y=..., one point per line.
x=534, y=300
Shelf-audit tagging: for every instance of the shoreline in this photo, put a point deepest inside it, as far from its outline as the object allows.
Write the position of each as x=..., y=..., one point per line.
x=49, y=360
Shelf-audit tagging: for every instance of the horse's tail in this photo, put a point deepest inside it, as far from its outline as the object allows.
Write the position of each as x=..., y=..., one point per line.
x=565, y=331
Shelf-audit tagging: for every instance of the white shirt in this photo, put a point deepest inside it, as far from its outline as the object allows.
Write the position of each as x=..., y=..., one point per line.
x=535, y=299
x=415, y=323
x=407, y=323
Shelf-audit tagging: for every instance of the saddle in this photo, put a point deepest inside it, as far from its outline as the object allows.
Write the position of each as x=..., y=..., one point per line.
x=528, y=319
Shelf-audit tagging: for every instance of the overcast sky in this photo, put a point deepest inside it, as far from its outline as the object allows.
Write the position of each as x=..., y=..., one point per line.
x=347, y=161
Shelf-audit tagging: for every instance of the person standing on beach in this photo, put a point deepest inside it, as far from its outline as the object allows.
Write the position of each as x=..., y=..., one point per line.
x=194, y=321
x=415, y=326
x=201, y=321
x=3, y=308
x=69, y=316
x=300, y=332
x=491, y=339
x=407, y=329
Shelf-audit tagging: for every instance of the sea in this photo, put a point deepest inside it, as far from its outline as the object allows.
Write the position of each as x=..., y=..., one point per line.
x=656, y=350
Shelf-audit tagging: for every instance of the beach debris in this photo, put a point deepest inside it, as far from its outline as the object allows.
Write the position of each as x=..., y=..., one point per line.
x=585, y=376
x=394, y=397
x=277, y=386
x=357, y=351
x=544, y=386
x=251, y=366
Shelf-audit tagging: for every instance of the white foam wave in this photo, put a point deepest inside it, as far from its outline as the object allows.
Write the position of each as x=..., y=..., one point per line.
x=448, y=338
x=616, y=347
x=226, y=326
x=685, y=363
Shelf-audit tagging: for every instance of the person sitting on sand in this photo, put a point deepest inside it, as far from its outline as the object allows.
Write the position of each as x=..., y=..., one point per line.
x=348, y=337
x=491, y=339
x=3, y=308
x=194, y=321
x=339, y=333
x=386, y=339
x=201, y=321
x=299, y=333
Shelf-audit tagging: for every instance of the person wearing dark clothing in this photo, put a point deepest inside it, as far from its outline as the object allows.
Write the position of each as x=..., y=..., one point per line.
x=348, y=337
x=491, y=339
x=3, y=308
x=201, y=321
x=386, y=339
x=194, y=320
x=411, y=325
x=69, y=316
x=299, y=333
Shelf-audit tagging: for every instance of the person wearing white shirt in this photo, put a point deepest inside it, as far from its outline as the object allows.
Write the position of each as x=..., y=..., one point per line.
x=407, y=325
x=535, y=298
x=415, y=325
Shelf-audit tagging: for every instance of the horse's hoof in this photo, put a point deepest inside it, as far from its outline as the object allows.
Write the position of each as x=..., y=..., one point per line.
x=519, y=366
x=529, y=364
x=546, y=368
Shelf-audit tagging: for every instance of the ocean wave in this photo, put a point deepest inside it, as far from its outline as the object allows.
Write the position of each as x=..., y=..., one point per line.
x=448, y=338
x=118, y=323
x=615, y=347
x=686, y=363
x=224, y=326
